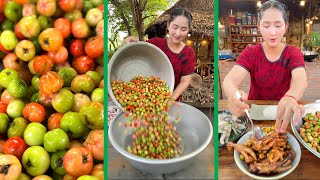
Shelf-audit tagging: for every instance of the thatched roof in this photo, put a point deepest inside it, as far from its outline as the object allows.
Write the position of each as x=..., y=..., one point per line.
x=202, y=14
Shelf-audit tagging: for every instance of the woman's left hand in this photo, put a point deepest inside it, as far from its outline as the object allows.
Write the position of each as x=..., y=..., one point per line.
x=287, y=107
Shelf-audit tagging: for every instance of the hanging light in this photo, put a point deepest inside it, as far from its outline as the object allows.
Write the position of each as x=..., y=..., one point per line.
x=302, y=3
x=259, y=4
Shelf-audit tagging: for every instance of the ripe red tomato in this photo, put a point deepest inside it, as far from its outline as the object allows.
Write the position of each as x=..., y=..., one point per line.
x=94, y=47
x=64, y=26
x=78, y=161
x=83, y=64
x=3, y=107
x=42, y=64
x=50, y=83
x=54, y=121
x=50, y=39
x=77, y=47
x=35, y=112
x=67, y=5
x=60, y=56
x=15, y=146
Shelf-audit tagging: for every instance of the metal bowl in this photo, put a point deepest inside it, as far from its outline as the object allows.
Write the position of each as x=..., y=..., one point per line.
x=309, y=108
x=139, y=58
x=234, y=137
x=194, y=126
x=309, y=55
x=244, y=167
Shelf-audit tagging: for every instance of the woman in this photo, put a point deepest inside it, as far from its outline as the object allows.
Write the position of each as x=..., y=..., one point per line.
x=181, y=56
x=276, y=70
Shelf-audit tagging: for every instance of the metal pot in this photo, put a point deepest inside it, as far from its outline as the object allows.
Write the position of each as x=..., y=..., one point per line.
x=194, y=125
x=309, y=55
x=139, y=58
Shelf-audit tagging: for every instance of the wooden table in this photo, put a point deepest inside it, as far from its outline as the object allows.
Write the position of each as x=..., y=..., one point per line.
x=308, y=167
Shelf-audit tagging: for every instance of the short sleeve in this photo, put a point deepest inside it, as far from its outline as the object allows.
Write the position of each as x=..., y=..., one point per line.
x=155, y=41
x=244, y=57
x=297, y=59
x=189, y=63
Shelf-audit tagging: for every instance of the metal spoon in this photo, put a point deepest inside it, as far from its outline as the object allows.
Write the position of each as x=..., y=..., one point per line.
x=256, y=130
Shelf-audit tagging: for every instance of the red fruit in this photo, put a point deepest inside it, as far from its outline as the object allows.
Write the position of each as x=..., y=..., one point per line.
x=34, y=112
x=64, y=26
x=83, y=64
x=15, y=146
x=42, y=64
x=94, y=47
x=67, y=5
x=77, y=47
x=78, y=161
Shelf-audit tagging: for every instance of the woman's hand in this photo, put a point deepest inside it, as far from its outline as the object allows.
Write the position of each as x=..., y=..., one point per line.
x=287, y=107
x=236, y=105
x=130, y=39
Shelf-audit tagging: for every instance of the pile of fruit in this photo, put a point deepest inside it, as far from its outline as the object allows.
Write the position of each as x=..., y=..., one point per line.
x=51, y=84
x=310, y=130
x=147, y=101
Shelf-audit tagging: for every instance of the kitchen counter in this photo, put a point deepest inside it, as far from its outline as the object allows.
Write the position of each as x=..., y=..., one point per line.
x=307, y=168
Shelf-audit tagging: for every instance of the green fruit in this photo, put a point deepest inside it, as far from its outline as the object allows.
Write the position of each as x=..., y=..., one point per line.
x=15, y=108
x=6, y=75
x=57, y=162
x=55, y=140
x=17, y=88
x=4, y=123
x=17, y=127
x=67, y=74
x=63, y=100
x=72, y=124
x=93, y=114
x=34, y=134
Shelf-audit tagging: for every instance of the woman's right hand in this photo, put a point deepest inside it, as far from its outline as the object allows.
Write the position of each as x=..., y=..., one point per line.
x=236, y=106
x=130, y=39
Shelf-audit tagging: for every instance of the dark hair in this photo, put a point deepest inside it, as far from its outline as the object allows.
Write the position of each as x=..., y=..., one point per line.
x=273, y=4
x=180, y=12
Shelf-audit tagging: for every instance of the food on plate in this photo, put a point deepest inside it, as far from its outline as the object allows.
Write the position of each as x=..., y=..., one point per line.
x=310, y=130
x=229, y=124
x=270, y=154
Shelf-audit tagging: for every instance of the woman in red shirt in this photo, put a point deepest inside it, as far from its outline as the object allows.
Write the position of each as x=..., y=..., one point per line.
x=181, y=56
x=276, y=70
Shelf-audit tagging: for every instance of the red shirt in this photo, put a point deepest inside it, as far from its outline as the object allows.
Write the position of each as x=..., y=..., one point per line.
x=269, y=80
x=183, y=63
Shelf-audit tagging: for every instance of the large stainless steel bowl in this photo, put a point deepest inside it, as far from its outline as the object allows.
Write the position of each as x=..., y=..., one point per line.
x=309, y=108
x=139, y=58
x=194, y=125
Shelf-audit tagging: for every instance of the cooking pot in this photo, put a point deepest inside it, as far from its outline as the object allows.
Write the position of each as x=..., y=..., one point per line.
x=309, y=55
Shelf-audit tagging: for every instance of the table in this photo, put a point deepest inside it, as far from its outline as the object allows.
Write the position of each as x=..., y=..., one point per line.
x=201, y=168
x=307, y=168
